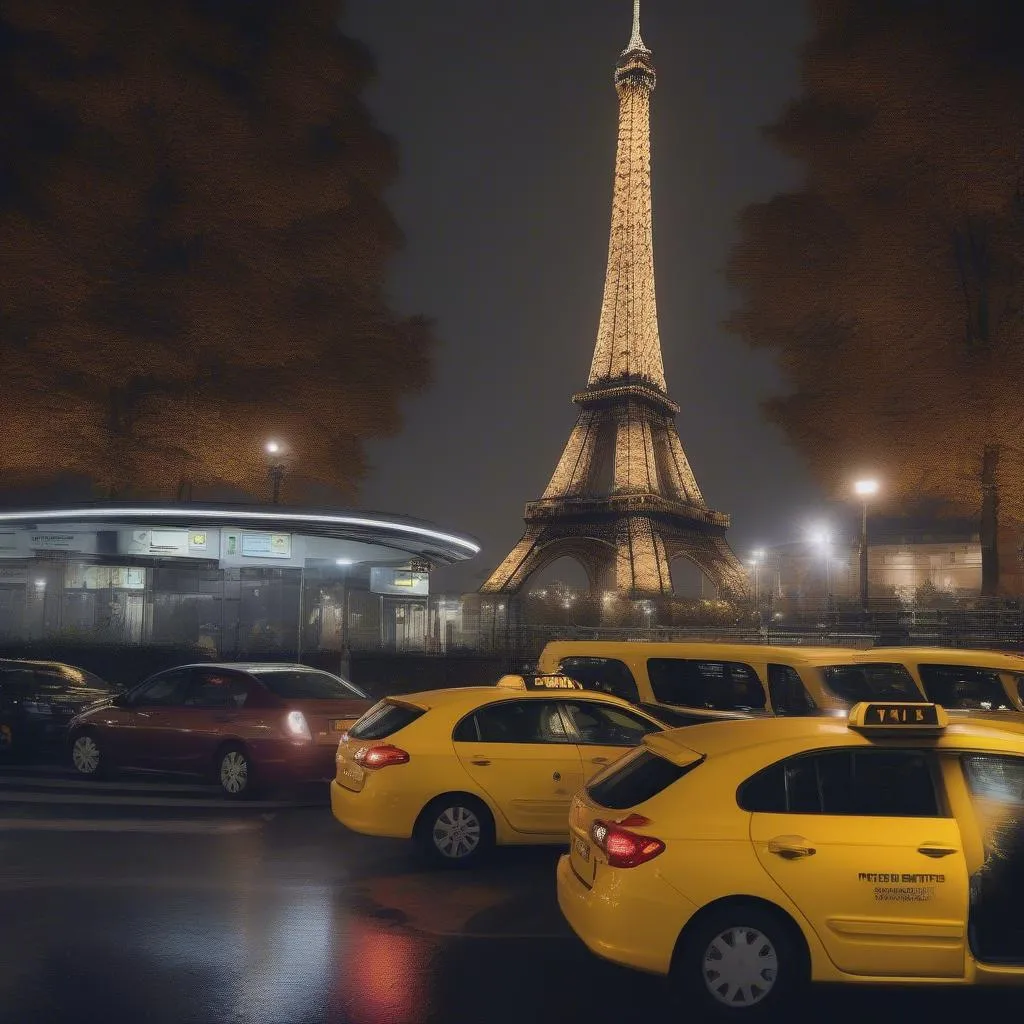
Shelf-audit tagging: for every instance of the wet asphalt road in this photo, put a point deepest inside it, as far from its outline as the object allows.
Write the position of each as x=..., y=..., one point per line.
x=147, y=902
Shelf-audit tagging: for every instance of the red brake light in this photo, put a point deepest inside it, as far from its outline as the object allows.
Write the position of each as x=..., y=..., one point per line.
x=381, y=756
x=623, y=848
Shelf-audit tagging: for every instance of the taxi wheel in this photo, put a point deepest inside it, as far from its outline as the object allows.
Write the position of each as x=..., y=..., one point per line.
x=234, y=772
x=456, y=831
x=740, y=962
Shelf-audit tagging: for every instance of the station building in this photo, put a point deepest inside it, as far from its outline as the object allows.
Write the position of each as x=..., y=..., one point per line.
x=231, y=580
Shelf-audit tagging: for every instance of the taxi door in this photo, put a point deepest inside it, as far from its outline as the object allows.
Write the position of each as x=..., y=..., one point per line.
x=859, y=840
x=604, y=732
x=524, y=760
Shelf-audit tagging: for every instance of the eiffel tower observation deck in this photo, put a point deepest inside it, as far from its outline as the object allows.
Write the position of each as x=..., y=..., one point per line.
x=623, y=500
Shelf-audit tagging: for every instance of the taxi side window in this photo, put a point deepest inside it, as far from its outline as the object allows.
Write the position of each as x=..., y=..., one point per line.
x=716, y=685
x=607, y=675
x=514, y=721
x=788, y=693
x=607, y=726
x=865, y=783
x=964, y=686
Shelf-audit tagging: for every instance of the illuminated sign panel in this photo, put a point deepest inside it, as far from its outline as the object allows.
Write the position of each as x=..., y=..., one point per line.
x=399, y=581
x=267, y=545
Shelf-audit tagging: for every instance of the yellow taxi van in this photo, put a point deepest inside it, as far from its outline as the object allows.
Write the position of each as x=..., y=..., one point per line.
x=753, y=679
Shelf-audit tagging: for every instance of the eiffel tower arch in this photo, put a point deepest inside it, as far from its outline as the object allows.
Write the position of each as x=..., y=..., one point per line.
x=623, y=500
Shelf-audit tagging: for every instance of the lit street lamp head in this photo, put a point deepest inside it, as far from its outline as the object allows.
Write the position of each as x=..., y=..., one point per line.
x=272, y=448
x=865, y=488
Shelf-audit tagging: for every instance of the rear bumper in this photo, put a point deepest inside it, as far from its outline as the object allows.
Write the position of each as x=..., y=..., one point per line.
x=295, y=764
x=373, y=814
x=637, y=930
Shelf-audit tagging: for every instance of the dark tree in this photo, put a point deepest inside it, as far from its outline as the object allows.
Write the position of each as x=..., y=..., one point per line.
x=891, y=284
x=194, y=247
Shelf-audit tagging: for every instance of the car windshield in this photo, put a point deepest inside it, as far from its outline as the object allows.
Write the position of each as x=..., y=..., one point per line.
x=875, y=681
x=296, y=684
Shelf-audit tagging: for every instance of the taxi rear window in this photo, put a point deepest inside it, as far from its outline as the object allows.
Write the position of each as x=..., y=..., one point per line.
x=384, y=720
x=873, y=681
x=639, y=778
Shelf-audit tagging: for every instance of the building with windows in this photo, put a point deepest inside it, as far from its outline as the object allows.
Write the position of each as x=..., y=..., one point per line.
x=230, y=580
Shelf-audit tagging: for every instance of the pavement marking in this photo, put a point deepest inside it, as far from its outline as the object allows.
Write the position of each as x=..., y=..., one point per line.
x=127, y=825
x=148, y=801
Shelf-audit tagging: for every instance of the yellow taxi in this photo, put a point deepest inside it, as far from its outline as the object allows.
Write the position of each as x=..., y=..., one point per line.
x=746, y=859
x=460, y=770
x=713, y=678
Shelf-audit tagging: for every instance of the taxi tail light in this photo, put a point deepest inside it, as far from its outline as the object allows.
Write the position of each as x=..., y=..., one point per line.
x=381, y=756
x=622, y=847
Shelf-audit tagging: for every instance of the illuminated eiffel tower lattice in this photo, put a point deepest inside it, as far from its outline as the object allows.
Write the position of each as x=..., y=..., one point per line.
x=623, y=501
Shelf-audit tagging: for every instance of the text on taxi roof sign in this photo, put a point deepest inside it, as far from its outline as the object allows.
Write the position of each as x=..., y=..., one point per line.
x=539, y=682
x=897, y=715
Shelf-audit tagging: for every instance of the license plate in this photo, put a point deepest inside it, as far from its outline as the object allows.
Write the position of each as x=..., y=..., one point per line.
x=338, y=724
x=582, y=849
x=353, y=772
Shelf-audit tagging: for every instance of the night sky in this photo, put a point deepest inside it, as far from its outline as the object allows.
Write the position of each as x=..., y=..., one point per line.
x=505, y=116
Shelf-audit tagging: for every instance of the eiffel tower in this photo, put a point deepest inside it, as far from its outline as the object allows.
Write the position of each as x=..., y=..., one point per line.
x=623, y=501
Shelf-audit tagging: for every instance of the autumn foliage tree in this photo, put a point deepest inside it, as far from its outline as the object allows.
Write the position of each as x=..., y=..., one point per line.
x=194, y=246
x=891, y=283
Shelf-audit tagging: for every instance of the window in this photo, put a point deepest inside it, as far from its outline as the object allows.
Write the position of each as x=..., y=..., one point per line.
x=17, y=683
x=516, y=721
x=608, y=726
x=874, y=681
x=964, y=686
x=996, y=778
x=869, y=783
x=66, y=679
x=307, y=684
x=211, y=689
x=718, y=685
x=635, y=780
x=384, y=720
x=788, y=693
x=607, y=675
x=165, y=690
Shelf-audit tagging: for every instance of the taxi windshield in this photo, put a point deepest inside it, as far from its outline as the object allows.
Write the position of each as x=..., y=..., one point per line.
x=870, y=682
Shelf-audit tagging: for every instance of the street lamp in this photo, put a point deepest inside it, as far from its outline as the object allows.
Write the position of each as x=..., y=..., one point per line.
x=276, y=469
x=756, y=558
x=822, y=539
x=865, y=489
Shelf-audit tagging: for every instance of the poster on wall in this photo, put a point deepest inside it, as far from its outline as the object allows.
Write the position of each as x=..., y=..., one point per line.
x=267, y=545
x=84, y=542
x=168, y=543
x=399, y=581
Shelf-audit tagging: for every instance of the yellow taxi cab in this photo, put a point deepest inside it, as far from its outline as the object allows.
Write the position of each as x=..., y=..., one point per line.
x=747, y=859
x=963, y=679
x=717, y=678
x=459, y=770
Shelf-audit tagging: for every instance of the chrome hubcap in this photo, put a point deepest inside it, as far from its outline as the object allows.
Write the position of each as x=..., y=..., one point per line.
x=85, y=755
x=456, y=832
x=234, y=771
x=740, y=967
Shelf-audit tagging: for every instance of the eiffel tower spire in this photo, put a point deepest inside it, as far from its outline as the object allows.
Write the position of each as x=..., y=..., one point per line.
x=623, y=500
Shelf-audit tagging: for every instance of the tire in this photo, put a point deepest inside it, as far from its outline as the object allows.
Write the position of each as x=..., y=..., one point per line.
x=740, y=962
x=89, y=756
x=456, y=831
x=234, y=772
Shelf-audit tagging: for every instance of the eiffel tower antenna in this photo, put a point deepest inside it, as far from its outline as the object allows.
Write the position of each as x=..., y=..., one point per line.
x=635, y=40
x=623, y=500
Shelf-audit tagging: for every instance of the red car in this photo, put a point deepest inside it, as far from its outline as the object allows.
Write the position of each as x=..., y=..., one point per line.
x=244, y=725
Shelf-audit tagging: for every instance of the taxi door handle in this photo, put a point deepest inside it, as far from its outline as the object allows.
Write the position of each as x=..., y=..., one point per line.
x=479, y=760
x=935, y=850
x=790, y=847
x=599, y=760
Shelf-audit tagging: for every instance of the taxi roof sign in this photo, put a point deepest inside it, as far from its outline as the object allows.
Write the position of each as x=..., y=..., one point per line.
x=539, y=682
x=897, y=716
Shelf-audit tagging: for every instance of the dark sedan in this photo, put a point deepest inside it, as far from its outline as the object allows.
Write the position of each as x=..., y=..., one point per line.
x=37, y=701
x=241, y=724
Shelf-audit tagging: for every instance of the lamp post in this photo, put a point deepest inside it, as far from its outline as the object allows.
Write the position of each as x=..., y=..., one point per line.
x=864, y=489
x=822, y=539
x=756, y=558
x=276, y=469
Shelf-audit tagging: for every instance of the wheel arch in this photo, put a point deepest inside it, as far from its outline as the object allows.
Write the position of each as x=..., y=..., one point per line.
x=784, y=917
